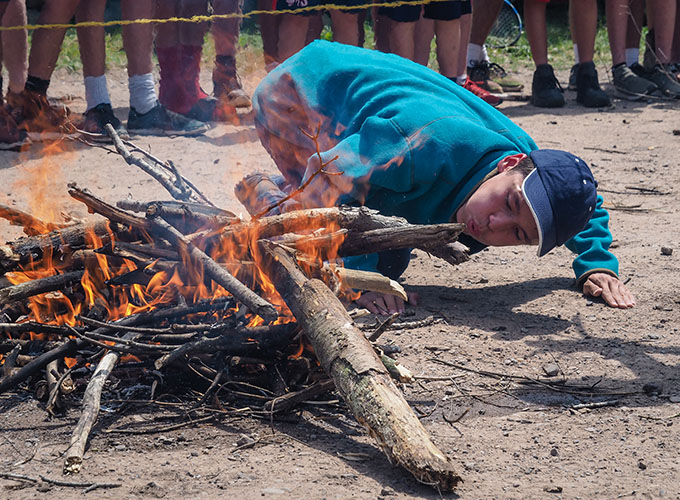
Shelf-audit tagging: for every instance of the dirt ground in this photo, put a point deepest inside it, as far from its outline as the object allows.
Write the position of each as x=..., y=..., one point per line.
x=505, y=311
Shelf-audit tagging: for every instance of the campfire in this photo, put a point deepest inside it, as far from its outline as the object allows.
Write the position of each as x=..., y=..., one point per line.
x=182, y=293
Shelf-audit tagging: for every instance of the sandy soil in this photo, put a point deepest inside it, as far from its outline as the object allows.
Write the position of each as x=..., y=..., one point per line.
x=505, y=311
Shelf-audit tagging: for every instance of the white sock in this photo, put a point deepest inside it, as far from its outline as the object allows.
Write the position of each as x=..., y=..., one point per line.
x=142, y=93
x=475, y=53
x=576, y=59
x=632, y=56
x=96, y=91
x=460, y=80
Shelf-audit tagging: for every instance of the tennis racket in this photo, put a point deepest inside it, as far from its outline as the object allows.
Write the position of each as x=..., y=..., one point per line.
x=508, y=28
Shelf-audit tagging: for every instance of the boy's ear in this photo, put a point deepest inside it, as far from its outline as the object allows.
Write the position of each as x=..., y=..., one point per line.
x=510, y=162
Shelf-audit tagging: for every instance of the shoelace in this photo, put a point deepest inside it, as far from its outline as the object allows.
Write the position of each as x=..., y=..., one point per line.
x=550, y=80
x=497, y=69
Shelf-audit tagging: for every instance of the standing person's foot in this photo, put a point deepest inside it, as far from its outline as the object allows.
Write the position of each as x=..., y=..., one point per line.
x=481, y=93
x=11, y=138
x=161, y=121
x=627, y=82
x=649, y=59
x=665, y=79
x=36, y=116
x=227, y=88
x=588, y=91
x=479, y=73
x=546, y=91
x=96, y=120
x=498, y=74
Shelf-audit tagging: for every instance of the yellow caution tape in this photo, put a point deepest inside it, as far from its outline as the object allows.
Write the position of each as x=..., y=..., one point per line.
x=212, y=17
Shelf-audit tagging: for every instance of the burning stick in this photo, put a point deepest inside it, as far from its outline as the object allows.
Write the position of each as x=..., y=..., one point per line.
x=359, y=375
x=32, y=226
x=58, y=243
x=217, y=273
x=38, y=286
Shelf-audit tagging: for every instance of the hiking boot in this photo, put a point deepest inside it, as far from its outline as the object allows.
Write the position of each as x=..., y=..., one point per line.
x=479, y=73
x=481, y=93
x=227, y=88
x=161, y=121
x=629, y=83
x=546, y=91
x=500, y=76
x=572, y=77
x=96, y=120
x=588, y=91
x=11, y=138
x=41, y=120
x=665, y=80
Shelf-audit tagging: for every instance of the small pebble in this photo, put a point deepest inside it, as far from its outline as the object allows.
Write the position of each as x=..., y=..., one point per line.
x=551, y=370
x=666, y=251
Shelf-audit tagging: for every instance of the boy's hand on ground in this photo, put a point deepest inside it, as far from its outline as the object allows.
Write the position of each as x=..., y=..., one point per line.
x=610, y=288
x=383, y=304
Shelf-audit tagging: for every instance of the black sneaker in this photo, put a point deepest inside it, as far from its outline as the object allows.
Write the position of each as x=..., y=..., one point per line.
x=97, y=118
x=161, y=121
x=665, y=79
x=205, y=110
x=546, y=91
x=588, y=91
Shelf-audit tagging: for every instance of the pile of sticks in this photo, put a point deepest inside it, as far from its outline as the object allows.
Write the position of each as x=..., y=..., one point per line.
x=211, y=338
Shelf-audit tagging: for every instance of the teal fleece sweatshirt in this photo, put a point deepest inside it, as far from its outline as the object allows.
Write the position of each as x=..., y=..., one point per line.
x=408, y=141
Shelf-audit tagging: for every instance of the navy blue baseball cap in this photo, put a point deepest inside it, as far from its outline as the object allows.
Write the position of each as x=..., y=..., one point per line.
x=561, y=193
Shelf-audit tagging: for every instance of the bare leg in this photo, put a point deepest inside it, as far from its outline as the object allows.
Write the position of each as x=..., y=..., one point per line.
x=292, y=34
x=537, y=33
x=424, y=33
x=381, y=27
x=402, y=39
x=138, y=38
x=15, y=59
x=484, y=14
x=46, y=43
x=663, y=19
x=448, y=43
x=617, y=23
x=584, y=27
x=91, y=40
x=465, y=30
x=345, y=27
x=269, y=31
x=225, y=31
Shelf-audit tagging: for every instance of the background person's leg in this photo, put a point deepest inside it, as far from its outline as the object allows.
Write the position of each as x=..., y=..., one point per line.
x=92, y=43
x=17, y=43
x=226, y=83
x=147, y=116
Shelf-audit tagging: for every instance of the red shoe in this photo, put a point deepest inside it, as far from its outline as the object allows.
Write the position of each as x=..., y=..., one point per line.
x=481, y=93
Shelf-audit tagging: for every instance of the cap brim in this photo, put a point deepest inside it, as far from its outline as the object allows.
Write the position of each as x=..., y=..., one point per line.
x=537, y=198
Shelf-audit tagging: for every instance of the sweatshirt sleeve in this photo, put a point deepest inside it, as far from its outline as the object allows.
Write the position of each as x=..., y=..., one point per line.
x=592, y=247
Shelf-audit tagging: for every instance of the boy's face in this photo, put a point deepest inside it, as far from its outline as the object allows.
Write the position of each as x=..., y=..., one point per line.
x=497, y=214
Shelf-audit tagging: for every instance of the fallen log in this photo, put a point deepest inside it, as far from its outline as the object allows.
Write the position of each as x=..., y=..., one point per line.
x=358, y=373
